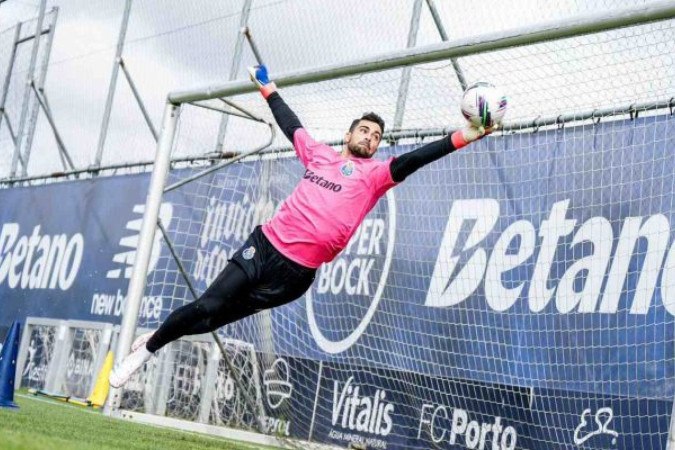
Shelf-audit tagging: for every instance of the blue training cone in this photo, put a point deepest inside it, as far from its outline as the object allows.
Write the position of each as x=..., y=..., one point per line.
x=8, y=356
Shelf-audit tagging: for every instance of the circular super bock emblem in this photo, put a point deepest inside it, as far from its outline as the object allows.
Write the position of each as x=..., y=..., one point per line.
x=347, y=168
x=357, y=276
x=248, y=253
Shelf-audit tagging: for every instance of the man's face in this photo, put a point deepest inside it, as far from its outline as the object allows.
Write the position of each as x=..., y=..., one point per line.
x=364, y=140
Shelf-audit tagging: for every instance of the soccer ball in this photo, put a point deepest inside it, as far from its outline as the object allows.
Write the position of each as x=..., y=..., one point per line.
x=483, y=104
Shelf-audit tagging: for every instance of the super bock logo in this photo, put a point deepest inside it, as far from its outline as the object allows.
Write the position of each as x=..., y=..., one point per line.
x=348, y=290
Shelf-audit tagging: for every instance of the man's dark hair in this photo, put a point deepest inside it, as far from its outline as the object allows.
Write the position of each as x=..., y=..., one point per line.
x=371, y=117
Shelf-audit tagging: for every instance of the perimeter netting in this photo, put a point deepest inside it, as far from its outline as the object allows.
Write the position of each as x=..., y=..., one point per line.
x=518, y=294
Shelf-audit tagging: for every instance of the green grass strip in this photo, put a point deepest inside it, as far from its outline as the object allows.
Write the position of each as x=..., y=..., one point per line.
x=41, y=424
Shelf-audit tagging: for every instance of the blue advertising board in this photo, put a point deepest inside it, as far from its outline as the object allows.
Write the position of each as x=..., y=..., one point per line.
x=539, y=262
x=61, y=251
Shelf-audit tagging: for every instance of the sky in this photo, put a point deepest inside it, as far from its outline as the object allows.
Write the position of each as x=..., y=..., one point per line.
x=176, y=45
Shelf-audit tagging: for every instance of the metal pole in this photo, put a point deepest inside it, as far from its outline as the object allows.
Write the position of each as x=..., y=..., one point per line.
x=113, y=82
x=444, y=37
x=222, y=111
x=574, y=26
x=405, y=75
x=246, y=31
x=137, y=96
x=62, y=148
x=241, y=156
x=234, y=69
x=26, y=96
x=523, y=125
x=28, y=38
x=32, y=121
x=8, y=75
x=145, y=240
x=11, y=131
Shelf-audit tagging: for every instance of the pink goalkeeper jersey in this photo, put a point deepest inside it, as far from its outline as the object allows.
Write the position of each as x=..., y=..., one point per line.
x=317, y=220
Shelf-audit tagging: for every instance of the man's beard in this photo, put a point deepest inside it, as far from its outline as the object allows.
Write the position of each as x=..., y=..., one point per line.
x=358, y=151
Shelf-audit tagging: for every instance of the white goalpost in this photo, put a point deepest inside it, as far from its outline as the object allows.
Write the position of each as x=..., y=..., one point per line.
x=513, y=295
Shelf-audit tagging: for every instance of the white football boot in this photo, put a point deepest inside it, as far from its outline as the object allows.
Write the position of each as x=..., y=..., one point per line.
x=138, y=356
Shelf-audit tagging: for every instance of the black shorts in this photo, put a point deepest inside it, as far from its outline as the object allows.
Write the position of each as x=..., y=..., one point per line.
x=274, y=279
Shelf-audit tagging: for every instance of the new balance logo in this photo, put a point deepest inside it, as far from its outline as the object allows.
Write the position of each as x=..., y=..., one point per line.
x=126, y=258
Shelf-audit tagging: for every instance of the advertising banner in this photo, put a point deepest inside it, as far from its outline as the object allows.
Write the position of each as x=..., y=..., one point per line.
x=539, y=266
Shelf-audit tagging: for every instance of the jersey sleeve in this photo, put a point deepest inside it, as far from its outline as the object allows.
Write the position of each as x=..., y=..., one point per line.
x=304, y=146
x=380, y=177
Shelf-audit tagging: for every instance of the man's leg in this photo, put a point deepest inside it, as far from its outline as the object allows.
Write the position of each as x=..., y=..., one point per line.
x=222, y=303
x=225, y=301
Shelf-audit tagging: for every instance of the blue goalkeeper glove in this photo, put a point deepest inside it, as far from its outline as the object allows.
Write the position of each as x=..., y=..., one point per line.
x=259, y=76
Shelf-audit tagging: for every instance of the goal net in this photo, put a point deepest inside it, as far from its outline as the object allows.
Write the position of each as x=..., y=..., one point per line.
x=517, y=294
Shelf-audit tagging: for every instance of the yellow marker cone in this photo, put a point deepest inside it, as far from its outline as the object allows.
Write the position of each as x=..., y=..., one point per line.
x=101, y=388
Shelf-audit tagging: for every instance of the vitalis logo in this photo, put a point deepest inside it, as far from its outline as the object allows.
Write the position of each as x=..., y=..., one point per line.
x=451, y=285
x=360, y=271
x=364, y=413
x=126, y=258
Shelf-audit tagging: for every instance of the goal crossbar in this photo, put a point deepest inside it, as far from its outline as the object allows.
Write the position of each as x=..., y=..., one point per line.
x=547, y=31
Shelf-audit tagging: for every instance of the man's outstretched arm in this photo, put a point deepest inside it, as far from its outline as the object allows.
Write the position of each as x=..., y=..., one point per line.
x=284, y=116
x=406, y=164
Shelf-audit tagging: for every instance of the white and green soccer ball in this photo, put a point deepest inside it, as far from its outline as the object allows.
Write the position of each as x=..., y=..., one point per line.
x=484, y=105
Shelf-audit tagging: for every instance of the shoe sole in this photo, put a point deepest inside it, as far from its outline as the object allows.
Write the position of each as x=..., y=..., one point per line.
x=141, y=340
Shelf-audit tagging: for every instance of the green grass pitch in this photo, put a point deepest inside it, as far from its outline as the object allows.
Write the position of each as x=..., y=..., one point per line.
x=41, y=424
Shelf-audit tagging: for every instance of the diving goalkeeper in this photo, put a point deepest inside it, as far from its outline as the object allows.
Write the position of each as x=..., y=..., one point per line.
x=278, y=261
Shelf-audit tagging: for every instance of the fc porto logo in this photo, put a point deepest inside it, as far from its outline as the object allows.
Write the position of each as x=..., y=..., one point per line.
x=347, y=168
x=248, y=253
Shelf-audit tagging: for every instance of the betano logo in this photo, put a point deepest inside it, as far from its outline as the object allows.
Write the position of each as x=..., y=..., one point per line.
x=39, y=261
x=126, y=259
x=451, y=284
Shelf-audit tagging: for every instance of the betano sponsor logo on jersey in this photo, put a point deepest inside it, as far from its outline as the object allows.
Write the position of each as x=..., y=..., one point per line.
x=359, y=272
x=39, y=260
x=607, y=265
x=321, y=181
x=227, y=224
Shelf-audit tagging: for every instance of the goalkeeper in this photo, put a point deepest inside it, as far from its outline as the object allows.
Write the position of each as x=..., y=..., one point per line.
x=278, y=261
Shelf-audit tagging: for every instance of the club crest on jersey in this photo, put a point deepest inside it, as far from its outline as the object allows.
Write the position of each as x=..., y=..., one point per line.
x=248, y=253
x=347, y=168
